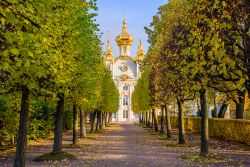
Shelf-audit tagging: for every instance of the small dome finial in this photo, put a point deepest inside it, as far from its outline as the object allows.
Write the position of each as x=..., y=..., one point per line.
x=140, y=52
x=140, y=45
x=124, y=27
x=108, y=53
x=109, y=46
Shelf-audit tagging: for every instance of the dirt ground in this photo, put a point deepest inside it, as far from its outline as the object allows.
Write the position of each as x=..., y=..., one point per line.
x=129, y=145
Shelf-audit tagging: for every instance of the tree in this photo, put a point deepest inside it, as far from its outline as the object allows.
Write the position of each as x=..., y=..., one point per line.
x=41, y=43
x=24, y=64
x=189, y=54
x=165, y=56
x=141, y=99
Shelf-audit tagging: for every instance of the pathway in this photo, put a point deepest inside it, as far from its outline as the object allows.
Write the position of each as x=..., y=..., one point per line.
x=122, y=145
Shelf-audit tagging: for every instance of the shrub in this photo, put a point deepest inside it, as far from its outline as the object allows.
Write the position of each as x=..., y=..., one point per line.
x=227, y=129
x=41, y=118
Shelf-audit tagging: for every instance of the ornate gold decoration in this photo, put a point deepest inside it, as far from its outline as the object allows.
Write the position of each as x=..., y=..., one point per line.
x=124, y=77
x=108, y=53
x=140, y=53
x=124, y=38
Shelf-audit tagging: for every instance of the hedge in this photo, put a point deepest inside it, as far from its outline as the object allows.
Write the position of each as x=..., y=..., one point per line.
x=227, y=129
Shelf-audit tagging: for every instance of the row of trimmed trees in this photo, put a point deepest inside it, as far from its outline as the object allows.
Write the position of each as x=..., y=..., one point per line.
x=51, y=49
x=197, y=47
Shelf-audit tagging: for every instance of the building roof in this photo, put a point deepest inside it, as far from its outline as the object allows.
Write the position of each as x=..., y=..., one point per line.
x=124, y=38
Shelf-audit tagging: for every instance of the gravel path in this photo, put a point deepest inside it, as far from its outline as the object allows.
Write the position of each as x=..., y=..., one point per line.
x=128, y=145
x=122, y=145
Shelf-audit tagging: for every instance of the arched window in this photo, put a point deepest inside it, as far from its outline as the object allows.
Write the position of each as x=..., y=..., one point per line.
x=125, y=100
x=125, y=113
x=125, y=87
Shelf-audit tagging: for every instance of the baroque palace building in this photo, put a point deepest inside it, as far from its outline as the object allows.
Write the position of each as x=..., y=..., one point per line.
x=125, y=72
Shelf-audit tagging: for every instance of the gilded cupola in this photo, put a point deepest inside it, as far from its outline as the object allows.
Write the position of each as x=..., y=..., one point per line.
x=140, y=53
x=109, y=53
x=124, y=38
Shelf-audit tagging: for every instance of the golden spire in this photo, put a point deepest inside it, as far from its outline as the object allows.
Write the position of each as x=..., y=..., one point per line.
x=140, y=52
x=124, y=26
x=124, y=38
x=108, y=53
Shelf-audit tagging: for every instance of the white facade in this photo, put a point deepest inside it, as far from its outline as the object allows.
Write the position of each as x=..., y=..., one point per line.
x=125, y=71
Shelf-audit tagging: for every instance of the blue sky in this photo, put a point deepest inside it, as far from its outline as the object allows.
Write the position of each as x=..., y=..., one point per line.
x=138, y=13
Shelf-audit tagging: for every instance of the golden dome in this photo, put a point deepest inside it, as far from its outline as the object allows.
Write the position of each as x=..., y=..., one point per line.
x=108, y=53
x=140, y=53
x=124, y=38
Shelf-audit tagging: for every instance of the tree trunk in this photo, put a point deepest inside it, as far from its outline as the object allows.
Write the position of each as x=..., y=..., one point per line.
x=142, y=117
x=59, y=124
x=20, y=156
x=75, y=124
x=146, y=118
x=82, y=124
x=110, y=118
x=98, y=120
x=103, y=120
x=214, y=111
x=181, y=123
x=106, y=119
x=162, y=120
x=240, y=105
x=247, y=84
x=149, y=118
x=156, y=120
x=93, y=115
x=152, y=119
x=168, y=122
x=247, y=53
x=223, y=108
x=204, y=124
